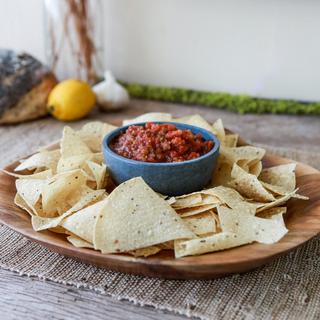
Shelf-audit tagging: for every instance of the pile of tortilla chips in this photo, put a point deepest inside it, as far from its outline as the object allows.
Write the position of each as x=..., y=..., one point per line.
x=64, y=191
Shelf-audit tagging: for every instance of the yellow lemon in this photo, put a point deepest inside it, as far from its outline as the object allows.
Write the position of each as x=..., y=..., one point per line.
x=71, y=100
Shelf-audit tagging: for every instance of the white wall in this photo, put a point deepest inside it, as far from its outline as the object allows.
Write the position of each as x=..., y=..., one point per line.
x=264, y=48
x=21, y=26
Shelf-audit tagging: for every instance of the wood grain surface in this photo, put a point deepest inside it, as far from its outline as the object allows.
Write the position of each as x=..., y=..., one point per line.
x=20, y=299
x=19, y=296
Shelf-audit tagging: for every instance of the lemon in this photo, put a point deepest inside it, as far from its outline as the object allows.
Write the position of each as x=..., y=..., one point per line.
x=71, y=100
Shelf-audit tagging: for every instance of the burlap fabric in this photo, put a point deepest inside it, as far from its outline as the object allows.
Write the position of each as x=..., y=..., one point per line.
x=288, y=288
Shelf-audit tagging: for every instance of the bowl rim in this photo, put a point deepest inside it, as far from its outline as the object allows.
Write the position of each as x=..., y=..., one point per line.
x=115, y=132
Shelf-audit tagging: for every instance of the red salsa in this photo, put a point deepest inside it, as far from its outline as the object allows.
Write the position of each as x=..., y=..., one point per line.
x=160, y=143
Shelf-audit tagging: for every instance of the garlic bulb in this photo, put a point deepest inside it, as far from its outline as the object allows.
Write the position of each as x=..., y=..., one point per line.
x=110, y=94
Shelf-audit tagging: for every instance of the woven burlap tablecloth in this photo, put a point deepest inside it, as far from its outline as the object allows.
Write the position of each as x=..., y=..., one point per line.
x=288, y=288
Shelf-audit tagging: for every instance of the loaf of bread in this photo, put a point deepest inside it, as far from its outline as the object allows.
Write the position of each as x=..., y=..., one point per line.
x=25, y=84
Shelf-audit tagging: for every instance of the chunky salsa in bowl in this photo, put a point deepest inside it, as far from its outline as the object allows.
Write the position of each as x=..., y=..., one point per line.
x=160, y=142
x=173, y=158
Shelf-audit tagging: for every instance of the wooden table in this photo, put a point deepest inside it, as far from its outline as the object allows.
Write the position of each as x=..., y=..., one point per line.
x=30, y=298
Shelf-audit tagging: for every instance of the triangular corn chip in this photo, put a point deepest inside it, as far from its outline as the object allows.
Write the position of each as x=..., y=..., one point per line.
x=282, y=176
x=78, y=242
x=272, y=212
x=88, y=197
x=44, y=159
x=278, y=202
x=82, y=222
x=216, y=242
x=59, y=188
x=136, y=217
x=145, y=252
x=255, y=168
x=187, y=201
x=40, y=175
x=275, y=189
x=151, y=116
x=248, y=153
x=195, y=120
x=30, y=190
x=250, y=227
x=73, y=162
x=230, y=140
x=249, y=185
x=187, y=212
x=71, y=144
x=232, y=199
x=92, y=133
x=201, y=224
x=19, y=201
x=99, y=173
x=218, y=130
x=222, y=173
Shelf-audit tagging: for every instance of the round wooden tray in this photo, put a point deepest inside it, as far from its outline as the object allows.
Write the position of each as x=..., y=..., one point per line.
x=302, y=220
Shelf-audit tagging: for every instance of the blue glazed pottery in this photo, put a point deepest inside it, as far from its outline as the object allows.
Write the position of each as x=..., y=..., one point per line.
x=173, y=178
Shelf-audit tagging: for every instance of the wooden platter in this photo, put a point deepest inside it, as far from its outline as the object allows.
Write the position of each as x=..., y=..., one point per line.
x=302, y=220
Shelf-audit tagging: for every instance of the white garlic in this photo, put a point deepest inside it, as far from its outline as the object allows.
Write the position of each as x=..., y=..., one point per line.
x=110, y=94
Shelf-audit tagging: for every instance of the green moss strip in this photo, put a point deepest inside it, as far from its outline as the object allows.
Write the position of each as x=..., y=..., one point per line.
x=221, y=100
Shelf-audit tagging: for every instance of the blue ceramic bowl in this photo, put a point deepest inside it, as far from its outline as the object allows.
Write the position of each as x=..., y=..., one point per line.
x=173, y=178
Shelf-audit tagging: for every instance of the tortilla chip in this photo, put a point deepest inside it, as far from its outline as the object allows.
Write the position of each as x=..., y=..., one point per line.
x=58, y=229
x=232, y=199
x=230, y=140
x=30, y=190
x=170, y=200
x=272, y=212
x=244, y=165
x=300, y=196
x=34, y=211
x=92, y=134
x=216, y=242
x=187, y=201
x=282, y=176
x=278, y=202
x=255, y=168
x=250, y=227
x=87, y=198
x=71, y=144
x=79, y=243
x=150, y=117
x=40, y=175
x=222, y=173
x=98, y=158
x=136, y=217
x=187, y=212
x=145, y=252
x=59, y=188
x=195, y=120
x=73, y=162
x=216, y=218
x=201, y=224
x=169, y=245
x=249, y=185
x=79, y=162
x=218, y=130
x=209, y=199
x=20, y=202
x=247, y=153
x=82, y=222
x=99, y=172
x=274, y=189
x=193, y=199
x=44, y=159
